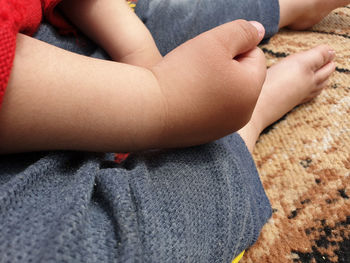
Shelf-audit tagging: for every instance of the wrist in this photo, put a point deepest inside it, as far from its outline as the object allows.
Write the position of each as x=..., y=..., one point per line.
x=152, y=118
x=146, y=56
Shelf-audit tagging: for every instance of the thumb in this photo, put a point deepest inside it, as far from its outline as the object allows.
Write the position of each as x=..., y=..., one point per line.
x=253, y=63
x=239, y=36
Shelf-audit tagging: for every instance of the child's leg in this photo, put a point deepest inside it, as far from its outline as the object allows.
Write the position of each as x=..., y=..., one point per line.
x=301, y=14
x=295, y=80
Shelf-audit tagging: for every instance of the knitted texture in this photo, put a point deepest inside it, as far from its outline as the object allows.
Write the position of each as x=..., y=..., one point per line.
x=7, y=52
x=201, y=204
x=19, y=16
x=174, y=22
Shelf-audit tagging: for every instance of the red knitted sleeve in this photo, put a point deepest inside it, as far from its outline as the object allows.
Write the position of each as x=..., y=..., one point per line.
x=22, y=16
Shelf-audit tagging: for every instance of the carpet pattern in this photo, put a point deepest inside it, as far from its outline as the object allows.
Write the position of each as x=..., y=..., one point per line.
x=304, y=159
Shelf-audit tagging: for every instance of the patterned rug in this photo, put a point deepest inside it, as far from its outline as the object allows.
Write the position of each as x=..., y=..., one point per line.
x=304, y=159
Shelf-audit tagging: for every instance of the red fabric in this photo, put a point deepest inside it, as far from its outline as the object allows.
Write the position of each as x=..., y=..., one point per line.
x=22, y=16
x=120, y=157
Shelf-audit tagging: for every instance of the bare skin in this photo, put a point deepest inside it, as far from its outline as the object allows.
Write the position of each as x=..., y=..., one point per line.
x=298, y=78
x=188, y=97
x=295, y=80
x=98, y=105
x=117, y=29
x=302, y=14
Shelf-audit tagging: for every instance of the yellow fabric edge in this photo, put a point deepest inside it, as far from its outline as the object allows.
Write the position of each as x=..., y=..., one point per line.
x=238, y=258
x=132, y=5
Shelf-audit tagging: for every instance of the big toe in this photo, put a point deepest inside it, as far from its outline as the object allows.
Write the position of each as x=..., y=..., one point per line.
x=318, y=57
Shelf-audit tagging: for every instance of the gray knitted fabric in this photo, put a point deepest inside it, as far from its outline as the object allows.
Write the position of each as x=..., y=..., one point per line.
x=200, y=204
x=173, y=22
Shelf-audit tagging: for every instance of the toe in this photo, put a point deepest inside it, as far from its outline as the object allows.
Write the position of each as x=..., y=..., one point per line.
x=320, y=88
x=320, y=56
x=314, y=94
x=324, y=73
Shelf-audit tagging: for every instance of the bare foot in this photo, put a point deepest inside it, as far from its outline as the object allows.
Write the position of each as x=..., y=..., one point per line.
x=293, y=81
x=302, y=14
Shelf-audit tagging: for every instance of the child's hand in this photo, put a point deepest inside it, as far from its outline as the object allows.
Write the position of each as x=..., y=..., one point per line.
x=211, y=83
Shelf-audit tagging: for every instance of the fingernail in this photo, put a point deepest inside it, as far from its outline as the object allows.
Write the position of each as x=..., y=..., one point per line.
x=331, y=54
x=258, y=27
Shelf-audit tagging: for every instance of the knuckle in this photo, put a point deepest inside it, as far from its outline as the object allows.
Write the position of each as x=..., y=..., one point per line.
x=261, y=54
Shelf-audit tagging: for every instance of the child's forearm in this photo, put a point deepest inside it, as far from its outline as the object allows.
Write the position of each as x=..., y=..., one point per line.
x=114, y=26
x=60, y=100
x=199, y=92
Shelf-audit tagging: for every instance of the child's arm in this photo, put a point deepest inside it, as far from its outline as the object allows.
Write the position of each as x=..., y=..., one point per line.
x=58, y=100
x=114, y=26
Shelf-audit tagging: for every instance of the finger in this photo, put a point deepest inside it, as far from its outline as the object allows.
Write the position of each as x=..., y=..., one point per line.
x=239, y=36
x=253, y=63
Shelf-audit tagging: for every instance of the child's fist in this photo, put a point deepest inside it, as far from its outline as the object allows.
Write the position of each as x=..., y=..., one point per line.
x=211, y=83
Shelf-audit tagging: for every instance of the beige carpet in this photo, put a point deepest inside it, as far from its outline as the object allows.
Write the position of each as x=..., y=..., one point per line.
x=304, y=160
